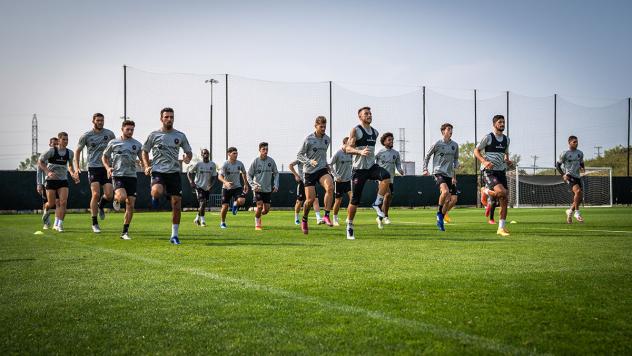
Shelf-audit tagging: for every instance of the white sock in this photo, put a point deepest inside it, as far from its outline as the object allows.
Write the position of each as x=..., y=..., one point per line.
x=349, y=222
x=336, y=217
x=60, y=222
x=295, y=216
x=577, y=212
x=318, y=215
x=56, y=221
x=174, y=230
x=202, y=219
x=501, y=223
x=379, y=200
x=257, y=221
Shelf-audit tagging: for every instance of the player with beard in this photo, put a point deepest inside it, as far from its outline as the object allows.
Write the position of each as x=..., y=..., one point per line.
x=202, y=176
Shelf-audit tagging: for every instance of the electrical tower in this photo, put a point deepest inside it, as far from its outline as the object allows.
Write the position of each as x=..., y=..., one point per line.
x=402, y=143
x=34, y=136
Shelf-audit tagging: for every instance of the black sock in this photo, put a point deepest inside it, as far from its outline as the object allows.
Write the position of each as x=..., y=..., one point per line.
x=327, y=213
x=94, y=221
x=125, y=228
x=304, y=218
x=491, y=212
x=440, y=208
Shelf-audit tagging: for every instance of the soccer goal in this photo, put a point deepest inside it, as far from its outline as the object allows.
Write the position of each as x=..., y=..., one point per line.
x=544, y=187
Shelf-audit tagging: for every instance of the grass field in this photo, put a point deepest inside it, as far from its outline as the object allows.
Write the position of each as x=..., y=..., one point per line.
x=409, y=289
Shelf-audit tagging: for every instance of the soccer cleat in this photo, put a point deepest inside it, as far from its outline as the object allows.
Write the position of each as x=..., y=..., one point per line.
x=174, y=240
x=379, y=223
x=234, y=209
x=258, y=227
x=125, y=236
x=319, y=221
x=304, y=227
x=379, y=211
x=336, y=222
x=46, y=226
x=101, y=213
x=578, y=217
x=222, y=225
x=46, y=216
x=96, y=229
x=196, y=221
x=327, y=221
x=297, y=221
x=116, y=205
x=446, y=219
x=502, y=232
x=350, y=235
x=440, y=222
x=483, y=196
x=491, y=222
x=386, y=220
x=59, y=228
x=203, y=223
x=569, y=216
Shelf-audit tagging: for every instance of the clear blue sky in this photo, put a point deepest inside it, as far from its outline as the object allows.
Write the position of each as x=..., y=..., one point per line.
x=62, y=59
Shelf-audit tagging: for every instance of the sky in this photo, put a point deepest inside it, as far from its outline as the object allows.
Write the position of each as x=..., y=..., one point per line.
x=63, y=59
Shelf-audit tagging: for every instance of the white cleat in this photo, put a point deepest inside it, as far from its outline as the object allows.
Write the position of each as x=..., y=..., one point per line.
x=125, y=236
x=569, y=216
x=350, y=235
x=379, y=223
x=319, y=221
x=96, y=229
x=60, y=228
x=386, y=220
x=378, y=210
x=116, y=205
x=46, y=227
x=336, y=222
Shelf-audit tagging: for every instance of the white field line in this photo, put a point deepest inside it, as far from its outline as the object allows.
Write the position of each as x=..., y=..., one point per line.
x=439, y=331
x=533, y=228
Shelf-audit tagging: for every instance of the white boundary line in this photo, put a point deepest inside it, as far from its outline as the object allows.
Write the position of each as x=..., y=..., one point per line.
x=439, y=331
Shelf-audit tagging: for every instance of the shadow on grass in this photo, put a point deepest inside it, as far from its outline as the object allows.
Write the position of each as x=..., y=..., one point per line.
x=17, y=260
x=254, y=243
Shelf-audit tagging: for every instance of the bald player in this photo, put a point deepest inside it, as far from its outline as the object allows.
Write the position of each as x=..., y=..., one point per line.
x=202, y=176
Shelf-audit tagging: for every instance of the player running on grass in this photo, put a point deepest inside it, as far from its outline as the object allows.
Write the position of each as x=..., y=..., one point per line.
x=96, y=140
x=313, y=155
x=40, y=181
x=572, y=161
x=389, y=159
x=165, y=145
x=300, y=193
x=202, y=176
x=494, y=165
x=340, y=165
x=361, y=145
x=119, y=160
x=445, y=153
x=261, y=173
x=229, y=175
x=55, y=163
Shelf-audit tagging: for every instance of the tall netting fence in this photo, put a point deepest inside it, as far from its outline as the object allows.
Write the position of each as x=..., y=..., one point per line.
x=247, y=111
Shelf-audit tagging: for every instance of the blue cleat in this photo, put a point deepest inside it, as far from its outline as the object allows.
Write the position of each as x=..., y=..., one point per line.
x=234, y=209
x=174, y=240
x=222, y=225
x=440, y=221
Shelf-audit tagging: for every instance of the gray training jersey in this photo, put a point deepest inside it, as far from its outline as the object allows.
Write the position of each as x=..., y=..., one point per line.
x=299, y=168
x=389, y=159
x=96, y=143
x=572, y=160
x=446, y=158
x=231, y=172
x=204, y=173
x=341, y=163
x=165, y=147
x=365, y=162
x=260, y=174
x=60, y=171
x=122, y=155
x=314, y=148
x=495, y=150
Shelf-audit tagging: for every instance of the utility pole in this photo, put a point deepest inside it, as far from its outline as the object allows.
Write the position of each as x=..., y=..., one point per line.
x=402, y=143
x=34, y=135
x=598, y=149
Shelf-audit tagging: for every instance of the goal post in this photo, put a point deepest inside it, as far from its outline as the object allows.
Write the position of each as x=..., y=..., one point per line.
x=544, y=187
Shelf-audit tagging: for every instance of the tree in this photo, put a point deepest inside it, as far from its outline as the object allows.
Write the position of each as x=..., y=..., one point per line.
x=616, y=157
x=29, y=164
x=468, y=164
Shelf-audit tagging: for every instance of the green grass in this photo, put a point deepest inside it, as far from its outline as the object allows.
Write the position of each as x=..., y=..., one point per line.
x=409, y=289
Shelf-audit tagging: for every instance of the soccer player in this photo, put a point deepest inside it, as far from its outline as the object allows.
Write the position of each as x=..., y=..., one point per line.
x=572, y=161
x=261, y=172
x=205, y=174
x=300, y=193
x=341, y=170
x=493, y=167
x=229, y=175
x=389, y=159
x=119, y=160
x=165, y=145
x=96, y=140
x=313, y=155
x=445, y=153
x=361, y=145
x=40, y=178
x=55, y=164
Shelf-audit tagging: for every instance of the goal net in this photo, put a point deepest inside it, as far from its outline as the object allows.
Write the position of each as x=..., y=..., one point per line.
x=544, y=187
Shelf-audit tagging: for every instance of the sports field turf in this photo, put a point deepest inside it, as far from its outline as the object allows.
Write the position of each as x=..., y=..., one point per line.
x=409, y=289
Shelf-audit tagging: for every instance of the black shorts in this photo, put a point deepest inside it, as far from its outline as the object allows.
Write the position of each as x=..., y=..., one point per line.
x=98, y=175
x=359, y=178
x=127, y=183
x=440, y=179
x=171, y=182
x=300, y=191
x=342, y=188
x=202, y=195
x=312, y=178
x=266, y=198
x=391, y=187
x=493, y=178
x=454, y=190
x=572, y=181
x=235, y=193
x=55, y=184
